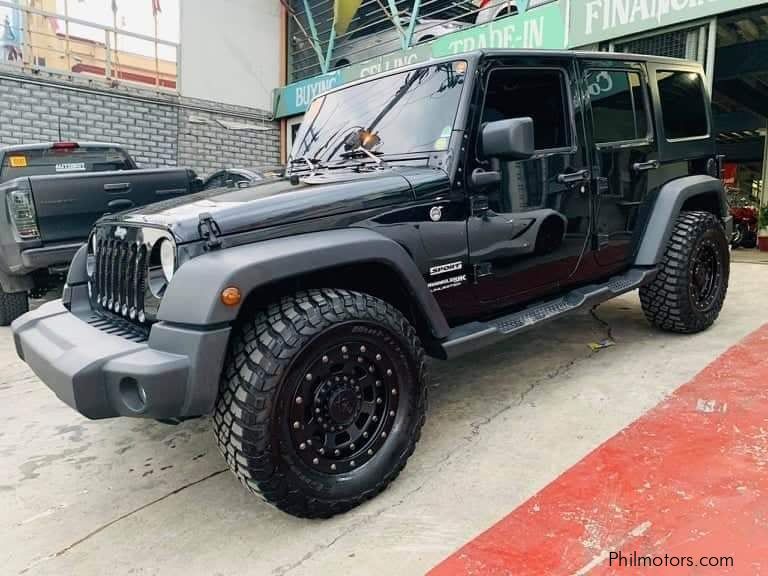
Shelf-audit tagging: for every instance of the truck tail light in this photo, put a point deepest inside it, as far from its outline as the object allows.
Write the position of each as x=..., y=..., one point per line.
x=23, y=217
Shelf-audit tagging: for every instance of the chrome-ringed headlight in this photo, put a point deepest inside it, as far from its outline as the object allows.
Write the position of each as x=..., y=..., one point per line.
x=167, y=258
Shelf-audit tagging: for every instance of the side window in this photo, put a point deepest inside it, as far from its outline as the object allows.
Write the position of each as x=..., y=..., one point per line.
x=540, y=94
x=683, y=104
x=619, y=112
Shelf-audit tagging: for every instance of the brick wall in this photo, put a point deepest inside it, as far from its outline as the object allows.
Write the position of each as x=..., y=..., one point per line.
x=158, y=130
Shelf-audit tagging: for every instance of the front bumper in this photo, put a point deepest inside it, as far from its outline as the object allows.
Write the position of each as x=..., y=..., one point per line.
x=174, y=374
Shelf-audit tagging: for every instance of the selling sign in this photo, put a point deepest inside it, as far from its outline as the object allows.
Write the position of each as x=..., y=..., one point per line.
x=538, y=27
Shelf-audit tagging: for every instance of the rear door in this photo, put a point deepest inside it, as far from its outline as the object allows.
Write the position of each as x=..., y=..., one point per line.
x=624, y=152
x=68, y=205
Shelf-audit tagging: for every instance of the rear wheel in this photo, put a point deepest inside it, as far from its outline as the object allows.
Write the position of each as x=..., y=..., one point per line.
x=322, y=400
x=12, y=305
x=688, y=293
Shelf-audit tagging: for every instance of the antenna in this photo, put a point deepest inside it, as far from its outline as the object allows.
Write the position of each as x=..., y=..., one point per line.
x=60, y=138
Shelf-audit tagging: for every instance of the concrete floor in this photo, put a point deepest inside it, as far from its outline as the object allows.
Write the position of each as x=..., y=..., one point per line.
x=138, y=497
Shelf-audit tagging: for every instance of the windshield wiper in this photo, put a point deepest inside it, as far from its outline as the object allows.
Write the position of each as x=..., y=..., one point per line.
x=361, y=150
x=312, y=163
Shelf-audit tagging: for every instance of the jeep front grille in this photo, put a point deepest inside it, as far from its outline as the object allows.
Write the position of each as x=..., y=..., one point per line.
x=119, y=281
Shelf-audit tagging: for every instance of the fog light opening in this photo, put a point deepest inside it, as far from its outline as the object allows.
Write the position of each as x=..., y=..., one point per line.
x=133, y=394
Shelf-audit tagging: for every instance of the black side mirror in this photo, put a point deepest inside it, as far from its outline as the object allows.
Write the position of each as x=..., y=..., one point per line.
x=510, y=139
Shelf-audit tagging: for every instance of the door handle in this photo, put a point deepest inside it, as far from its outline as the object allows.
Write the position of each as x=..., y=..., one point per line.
x=117, y=187
x=574, y=177
x=120, y=204
x=643, y=166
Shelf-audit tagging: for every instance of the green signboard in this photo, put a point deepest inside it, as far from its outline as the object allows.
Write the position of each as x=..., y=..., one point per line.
x=541, y=27
x=599, y=20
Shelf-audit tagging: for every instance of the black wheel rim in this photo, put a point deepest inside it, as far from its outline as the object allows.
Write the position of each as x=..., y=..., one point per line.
x=706, y=275
x=344, y=406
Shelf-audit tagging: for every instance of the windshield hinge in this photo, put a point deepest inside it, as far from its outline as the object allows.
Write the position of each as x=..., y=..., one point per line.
x=209, y=231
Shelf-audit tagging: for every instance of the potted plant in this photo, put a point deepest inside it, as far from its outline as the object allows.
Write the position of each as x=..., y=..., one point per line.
x=762, y=234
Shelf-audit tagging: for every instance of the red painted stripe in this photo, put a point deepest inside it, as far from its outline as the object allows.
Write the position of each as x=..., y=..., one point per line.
x=689, y=478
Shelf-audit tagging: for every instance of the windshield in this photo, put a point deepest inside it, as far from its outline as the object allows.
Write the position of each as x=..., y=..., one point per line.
x=399, y=114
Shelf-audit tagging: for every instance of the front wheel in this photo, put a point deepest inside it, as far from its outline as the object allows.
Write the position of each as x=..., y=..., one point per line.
x=688, y=293
x=322, y=400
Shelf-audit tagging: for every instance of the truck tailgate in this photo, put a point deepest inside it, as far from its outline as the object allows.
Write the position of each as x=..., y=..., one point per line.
x=68, y=205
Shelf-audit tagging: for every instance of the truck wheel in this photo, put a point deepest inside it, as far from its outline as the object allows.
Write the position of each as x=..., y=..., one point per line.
x=322, y=400
x=12, y=305
x=688, y=293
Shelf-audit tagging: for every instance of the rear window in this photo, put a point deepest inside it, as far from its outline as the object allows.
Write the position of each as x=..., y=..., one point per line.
x=62, y=161
x=683, y=104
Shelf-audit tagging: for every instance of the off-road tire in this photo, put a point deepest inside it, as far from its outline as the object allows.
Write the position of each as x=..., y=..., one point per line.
x=668, y=301
x=267, y=354
x=12, y=305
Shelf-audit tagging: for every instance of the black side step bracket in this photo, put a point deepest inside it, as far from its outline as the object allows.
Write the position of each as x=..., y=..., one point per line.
x=475, y=335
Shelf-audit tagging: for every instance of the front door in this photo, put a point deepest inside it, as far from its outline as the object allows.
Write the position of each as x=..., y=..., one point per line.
x=533, y=236
x=623, y=152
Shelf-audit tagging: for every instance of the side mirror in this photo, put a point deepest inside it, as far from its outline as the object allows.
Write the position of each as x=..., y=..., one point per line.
x=508, y=139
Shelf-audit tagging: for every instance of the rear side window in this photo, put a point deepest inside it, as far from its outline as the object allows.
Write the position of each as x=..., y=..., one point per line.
x=619, y=112
x=683, y=104
x=38, y=162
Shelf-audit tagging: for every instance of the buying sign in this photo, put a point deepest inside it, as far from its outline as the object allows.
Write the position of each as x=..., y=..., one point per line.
x=598, y=20
x=542, y=27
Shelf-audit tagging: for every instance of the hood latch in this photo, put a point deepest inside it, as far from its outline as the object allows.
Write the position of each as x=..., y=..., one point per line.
x=210, y=231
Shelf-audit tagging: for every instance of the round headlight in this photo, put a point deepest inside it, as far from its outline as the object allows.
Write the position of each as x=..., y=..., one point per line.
x=167, y=258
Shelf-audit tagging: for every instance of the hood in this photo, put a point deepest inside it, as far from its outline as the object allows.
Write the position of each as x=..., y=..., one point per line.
x=274, y=202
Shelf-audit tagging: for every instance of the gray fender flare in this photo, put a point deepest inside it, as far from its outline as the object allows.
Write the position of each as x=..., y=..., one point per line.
x=667, y=207
x=193, y=296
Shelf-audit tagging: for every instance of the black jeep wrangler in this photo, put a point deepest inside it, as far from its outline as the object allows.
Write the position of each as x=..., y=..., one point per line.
x=429, y=211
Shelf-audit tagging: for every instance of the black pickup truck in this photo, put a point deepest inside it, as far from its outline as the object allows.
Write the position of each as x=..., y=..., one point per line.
x=54, y=193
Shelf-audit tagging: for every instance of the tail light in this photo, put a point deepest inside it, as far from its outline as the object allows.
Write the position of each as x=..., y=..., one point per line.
x=22, y=211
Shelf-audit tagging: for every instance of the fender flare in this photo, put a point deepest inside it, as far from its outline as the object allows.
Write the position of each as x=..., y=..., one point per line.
x=193, y=296
x=667, y=207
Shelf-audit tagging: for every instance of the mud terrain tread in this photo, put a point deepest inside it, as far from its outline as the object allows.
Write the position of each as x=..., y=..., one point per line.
x=12, y=305
x=260, y=354
x=665, y=301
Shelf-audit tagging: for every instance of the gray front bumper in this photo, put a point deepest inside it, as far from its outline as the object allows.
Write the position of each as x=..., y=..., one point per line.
x=174, y=374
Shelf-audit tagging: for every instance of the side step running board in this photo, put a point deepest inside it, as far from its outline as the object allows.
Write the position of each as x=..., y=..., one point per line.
x=475, y=335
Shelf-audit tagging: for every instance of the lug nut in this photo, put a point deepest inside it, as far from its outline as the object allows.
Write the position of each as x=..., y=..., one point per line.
x=391, y=413
x=309, y=377
x=383, y=434
x=296, y=425
x=343, y=349
x=333, y=466
x=371, y=368
x=325, y=359
x=315, y=461
x=321, y=451
x=362, y=349
x=317, y=410
x=378, y=356
x=360, y=359
x=299, y=400
x=378, y=400
x=309, y=442
x=351, y=446
x=352, y=463
x=389, y=372
x=370, y=452
x=336, y=452
x=378, y=382
x=394, y=392
x=302, y=446
x=365, y=434
x=375, y=418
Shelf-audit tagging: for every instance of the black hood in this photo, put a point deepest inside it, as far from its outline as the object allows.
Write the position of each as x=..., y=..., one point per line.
x=278, y=201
